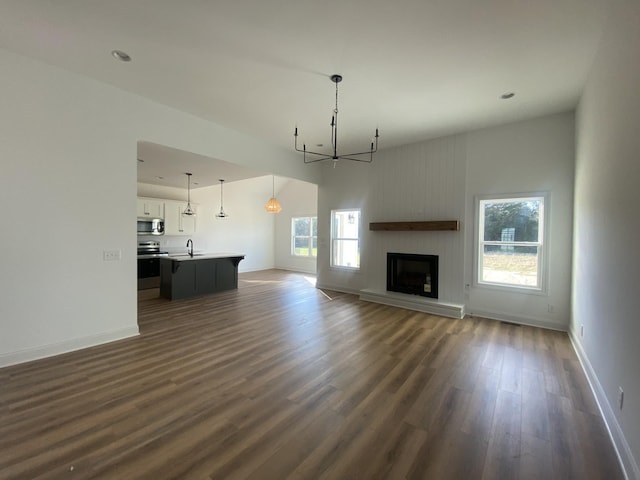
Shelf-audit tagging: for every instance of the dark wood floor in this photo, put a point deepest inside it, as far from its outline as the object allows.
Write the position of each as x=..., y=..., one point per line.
x=280, y=380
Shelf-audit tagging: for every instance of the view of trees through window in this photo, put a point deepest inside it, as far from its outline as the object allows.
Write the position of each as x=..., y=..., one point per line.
x=511, y=241
x=304, y=236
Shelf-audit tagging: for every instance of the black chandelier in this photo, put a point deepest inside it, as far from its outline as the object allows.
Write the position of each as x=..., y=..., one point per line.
x=334, y=140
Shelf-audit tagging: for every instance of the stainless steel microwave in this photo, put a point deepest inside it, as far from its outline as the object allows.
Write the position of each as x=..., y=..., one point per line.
x=150, y=226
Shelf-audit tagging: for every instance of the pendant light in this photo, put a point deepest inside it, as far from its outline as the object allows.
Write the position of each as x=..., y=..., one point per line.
x=272, y=205
x=221, y=214
x=189, y=212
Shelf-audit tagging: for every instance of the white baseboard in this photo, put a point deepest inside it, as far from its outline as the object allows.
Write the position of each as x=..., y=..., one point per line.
x=260, y=269
x=36, y=353
x=625, y=456
x=413, y=302
x=337, y=289
x=296, y=270
x=519, y=319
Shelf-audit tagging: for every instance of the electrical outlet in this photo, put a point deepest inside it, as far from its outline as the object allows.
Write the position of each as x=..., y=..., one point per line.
x=111, y=255
x=620, y=397
x=550, y=308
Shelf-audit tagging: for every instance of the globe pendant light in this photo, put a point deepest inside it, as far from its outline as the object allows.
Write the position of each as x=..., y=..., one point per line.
x=189, y=212
x=221, y=214
x=272, y=205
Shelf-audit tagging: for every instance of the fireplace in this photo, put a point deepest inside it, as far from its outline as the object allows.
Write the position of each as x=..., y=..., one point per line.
x=413, y=273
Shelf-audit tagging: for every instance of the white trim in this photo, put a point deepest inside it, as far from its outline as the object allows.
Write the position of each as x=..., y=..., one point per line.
x=310, y=237
x=628, y=463
x=543, y=242
x=413, y=302
x=519, y=319
x=333, y=238
x=295, y=270
x=50, y=350
x=338, y=289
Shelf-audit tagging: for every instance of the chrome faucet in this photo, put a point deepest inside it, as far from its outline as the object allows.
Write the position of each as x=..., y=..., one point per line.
x=190, y=242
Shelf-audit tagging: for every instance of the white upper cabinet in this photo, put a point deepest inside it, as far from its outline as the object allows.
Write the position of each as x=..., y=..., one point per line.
x=175, y=223
x=150, y=207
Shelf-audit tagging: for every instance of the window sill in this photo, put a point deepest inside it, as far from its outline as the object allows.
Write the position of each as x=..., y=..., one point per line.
x=344, y=269
x=521, y=290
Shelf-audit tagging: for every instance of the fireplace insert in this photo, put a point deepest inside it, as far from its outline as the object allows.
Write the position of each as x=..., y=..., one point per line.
x=413, y=273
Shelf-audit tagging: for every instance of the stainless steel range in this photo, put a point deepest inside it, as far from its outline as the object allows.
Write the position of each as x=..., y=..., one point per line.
x=149, y=255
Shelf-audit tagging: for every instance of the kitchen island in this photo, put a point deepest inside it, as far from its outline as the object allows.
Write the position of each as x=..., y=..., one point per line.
x=183, y=276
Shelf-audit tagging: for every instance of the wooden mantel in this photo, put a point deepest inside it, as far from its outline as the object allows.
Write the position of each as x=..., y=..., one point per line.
x=450, y=225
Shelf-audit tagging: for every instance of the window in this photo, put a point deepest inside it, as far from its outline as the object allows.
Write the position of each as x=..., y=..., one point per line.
x=510, y=241
x=345, y=238
x=304, y=236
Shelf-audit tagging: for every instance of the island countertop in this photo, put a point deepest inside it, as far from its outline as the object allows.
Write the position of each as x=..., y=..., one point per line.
x=185, y=257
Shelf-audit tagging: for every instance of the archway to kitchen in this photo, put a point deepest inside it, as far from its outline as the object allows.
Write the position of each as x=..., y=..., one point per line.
x=163, y=189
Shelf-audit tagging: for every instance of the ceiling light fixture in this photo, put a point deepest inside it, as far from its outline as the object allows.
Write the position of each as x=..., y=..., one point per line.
x=188, y=211
x=120, y=55
x=334, y=140
x=272, y=205
x=221, y=214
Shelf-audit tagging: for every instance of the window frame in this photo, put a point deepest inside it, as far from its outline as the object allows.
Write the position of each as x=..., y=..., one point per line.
x=311, y=237
x=542, y=244
x=334, y=239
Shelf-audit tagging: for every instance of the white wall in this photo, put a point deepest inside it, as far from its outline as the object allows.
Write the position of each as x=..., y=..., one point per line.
x=346, y=186
x=530, y=156
x=298, y=199
x=249, y=229
x=438, y=180
x=68, y=146
x=244, y=201
x=423, y=181
x=606, y=261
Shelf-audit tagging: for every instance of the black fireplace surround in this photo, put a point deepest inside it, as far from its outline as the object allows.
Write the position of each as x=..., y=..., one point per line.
x=413, y=273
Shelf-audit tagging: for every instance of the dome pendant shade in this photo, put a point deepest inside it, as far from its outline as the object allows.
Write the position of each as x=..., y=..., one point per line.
x=189, y=212
x=273, y=206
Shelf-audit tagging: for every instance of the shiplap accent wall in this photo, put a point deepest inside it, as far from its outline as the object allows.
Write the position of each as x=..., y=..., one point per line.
x=424, y=181
x=438, y=180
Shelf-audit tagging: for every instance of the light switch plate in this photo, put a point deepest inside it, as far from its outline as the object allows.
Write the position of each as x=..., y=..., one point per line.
x=111, y=255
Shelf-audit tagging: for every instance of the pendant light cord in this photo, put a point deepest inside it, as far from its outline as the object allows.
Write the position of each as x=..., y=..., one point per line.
x=189, y=191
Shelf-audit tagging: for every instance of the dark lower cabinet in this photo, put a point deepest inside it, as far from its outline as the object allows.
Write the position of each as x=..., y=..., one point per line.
x=226, y=277
x=189, y=278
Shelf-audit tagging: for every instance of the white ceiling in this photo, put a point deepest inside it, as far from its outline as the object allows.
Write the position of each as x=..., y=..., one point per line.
x=162, y=165
x=415, y=69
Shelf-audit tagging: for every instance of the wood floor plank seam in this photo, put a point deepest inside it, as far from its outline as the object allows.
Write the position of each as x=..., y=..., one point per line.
x=279, y=380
